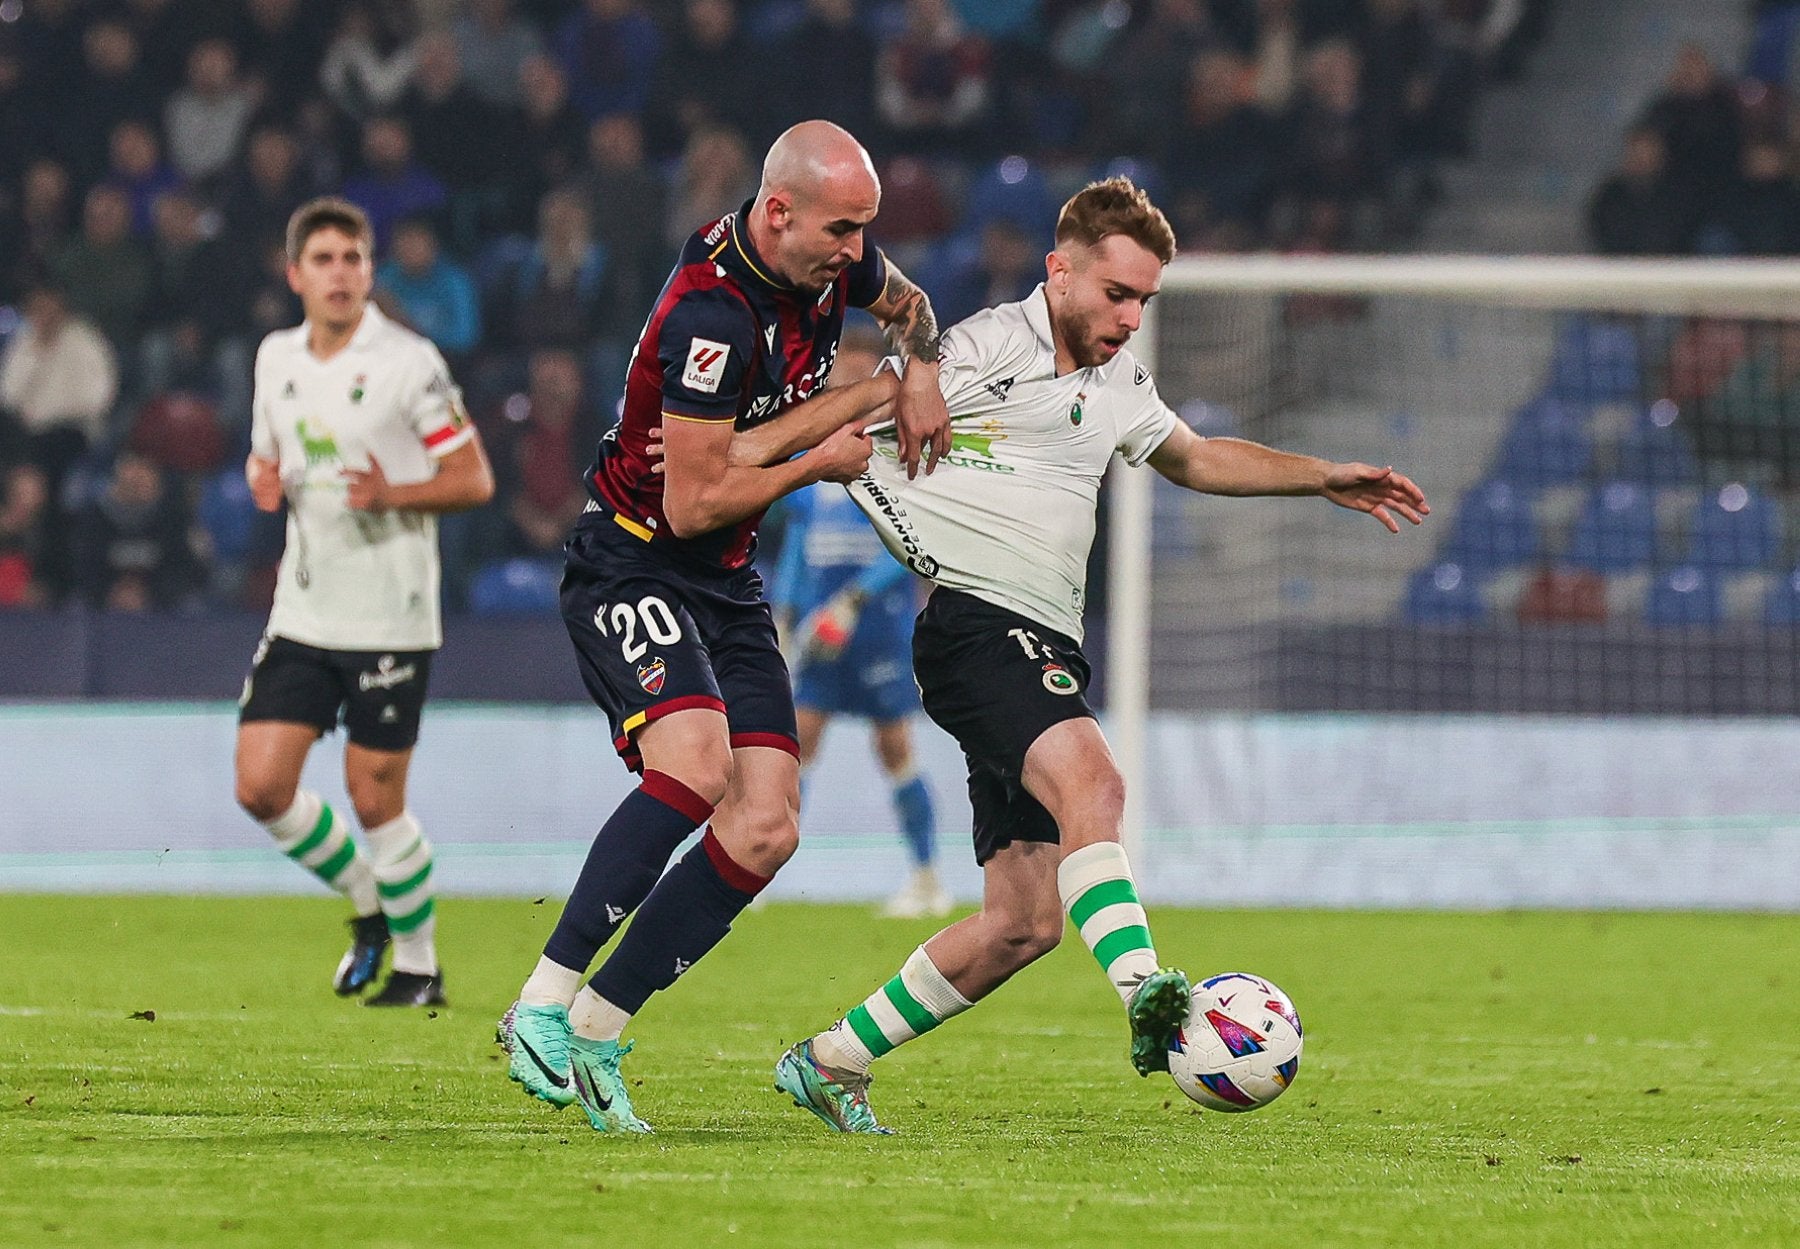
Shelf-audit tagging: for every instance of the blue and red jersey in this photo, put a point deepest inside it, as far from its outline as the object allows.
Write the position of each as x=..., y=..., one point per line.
x=728, y=341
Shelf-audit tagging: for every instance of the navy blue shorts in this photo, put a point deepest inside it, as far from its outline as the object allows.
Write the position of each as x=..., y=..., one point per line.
x=656, y=633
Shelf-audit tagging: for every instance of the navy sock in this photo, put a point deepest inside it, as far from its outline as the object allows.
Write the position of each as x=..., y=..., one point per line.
x=687, y=914
x=629, y=853
x=912, y=802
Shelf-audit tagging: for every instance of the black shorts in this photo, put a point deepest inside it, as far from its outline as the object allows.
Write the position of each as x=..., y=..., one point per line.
x=995, y=680
x=655, y=634
x=377, y=695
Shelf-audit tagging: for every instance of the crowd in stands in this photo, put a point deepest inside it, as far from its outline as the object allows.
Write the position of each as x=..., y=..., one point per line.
x=531, y=166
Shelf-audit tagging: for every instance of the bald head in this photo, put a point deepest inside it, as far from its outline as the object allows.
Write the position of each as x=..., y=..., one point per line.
x=813, y=157
x=819, y=191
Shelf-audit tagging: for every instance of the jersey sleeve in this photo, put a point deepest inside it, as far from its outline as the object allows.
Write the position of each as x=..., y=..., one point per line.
x=262, y=422
x=867, y=278
x=965, y=360
x=436, y=413
x=1145, y=420
x=705, y=346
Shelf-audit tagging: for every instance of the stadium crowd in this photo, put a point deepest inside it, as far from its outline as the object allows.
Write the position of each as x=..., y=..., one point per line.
x=531, y=166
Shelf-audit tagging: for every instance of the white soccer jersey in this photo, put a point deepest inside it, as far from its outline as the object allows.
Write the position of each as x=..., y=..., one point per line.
x=1009, y=514
x=355, y=580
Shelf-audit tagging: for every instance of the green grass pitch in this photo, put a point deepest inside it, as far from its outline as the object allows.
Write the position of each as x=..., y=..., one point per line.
x=1510, y=1079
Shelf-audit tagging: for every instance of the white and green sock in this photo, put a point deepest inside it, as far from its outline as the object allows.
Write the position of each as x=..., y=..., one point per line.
x=402, y=864
x=310, y=834
x=1102, y=901
x=914, y=1002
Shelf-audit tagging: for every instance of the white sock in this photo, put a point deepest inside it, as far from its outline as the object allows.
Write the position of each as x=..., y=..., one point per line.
x=1101, y=899
x=310, y=833
x=550, y=984
x=596, y=1019
x=915, y=1001
x=402, y=865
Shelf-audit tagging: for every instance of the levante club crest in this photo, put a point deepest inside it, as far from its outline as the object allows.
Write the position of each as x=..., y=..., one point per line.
x=651, y=675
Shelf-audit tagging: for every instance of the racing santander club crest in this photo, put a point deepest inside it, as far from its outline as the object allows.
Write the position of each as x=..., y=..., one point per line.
x=1058, y=679
x=651, y=675
x=1075, y=413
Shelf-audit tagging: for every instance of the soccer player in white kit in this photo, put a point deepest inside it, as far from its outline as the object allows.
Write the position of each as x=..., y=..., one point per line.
x=358, y=424
x=1042, y=393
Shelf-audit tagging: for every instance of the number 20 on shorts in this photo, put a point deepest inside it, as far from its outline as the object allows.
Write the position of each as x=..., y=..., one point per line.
x=659, y=625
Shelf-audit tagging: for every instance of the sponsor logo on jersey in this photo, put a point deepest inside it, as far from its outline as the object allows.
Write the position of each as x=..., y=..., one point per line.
x=1058, y=680
x=719, y=228
x=1001, y=388
x=320, y=448
x=388, y=673
x=1141, y=376
x=289, y=391
x=705, y=365
x=899, y=527
x=769, y=336
x=651, y=675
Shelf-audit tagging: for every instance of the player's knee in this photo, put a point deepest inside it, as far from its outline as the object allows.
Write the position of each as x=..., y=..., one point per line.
x=767, y=839
x=376, y=798
x=1029, y=937
x=263, y=797
x=707, y=772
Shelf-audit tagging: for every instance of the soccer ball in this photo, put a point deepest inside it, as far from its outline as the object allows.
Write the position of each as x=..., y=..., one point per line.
x=1240, y=1047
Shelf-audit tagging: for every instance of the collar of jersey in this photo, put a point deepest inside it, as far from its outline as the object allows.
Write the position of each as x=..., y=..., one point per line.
x=371, y=324
x=1037, y=316
x=740, y=254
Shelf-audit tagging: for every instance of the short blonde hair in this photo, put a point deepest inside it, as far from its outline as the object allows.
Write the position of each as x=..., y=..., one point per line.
x=1115, y=206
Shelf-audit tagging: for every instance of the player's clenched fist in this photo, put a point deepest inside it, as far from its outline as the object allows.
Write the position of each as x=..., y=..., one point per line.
x=264, y=477
x=843, y=456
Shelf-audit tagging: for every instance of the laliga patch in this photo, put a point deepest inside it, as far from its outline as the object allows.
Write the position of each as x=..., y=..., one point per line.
x=651, y=675
x=705, y=365
x=1058, y=679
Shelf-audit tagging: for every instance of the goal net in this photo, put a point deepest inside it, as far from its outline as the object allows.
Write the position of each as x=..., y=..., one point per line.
x=1573, y=686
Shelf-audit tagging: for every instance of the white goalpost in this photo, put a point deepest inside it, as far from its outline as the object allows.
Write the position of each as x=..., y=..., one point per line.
x=1570, y=686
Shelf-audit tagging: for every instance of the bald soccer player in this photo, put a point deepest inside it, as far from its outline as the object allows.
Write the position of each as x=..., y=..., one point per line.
x=672, y=635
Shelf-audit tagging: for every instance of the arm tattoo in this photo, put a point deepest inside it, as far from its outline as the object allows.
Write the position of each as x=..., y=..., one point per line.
x=912, y=331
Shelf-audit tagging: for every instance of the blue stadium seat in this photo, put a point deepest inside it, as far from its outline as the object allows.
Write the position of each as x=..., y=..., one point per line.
x=1013, y=190
x=1496, y=527
x=1616, y=531
x=1655, y=451
x=1143, y=172
x=1735, y=527
x=1548, y=444
x=515, y=587
x=1685, y=595
x=1781, y=609
x=1444, y=594
x=228, y=514
x=1597, y=361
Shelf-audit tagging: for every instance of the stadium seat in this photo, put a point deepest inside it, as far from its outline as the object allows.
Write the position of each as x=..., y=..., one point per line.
x=1555, y=596
x=1781, y=609
x=1548, y=444
x=1655, y=450
x=1735, y=527
x=1616, y=531
x=1703, y=356
x=1686, y=595
x=515, y=587
x=228, y=514
x=1012, y=190
x=913, y=207
x=1597, y=361
x=179, y=431
x=1444, y=594
x=1495, y=527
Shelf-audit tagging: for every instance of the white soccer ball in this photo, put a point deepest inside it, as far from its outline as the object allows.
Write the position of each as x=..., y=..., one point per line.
x=1240, y=1047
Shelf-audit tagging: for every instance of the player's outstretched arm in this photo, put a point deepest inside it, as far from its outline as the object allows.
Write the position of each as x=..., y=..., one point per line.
x=264, y=476
x=806, y=425
x=1233, y=466
x=706, y=491
x=464, y=480
x=921, y=419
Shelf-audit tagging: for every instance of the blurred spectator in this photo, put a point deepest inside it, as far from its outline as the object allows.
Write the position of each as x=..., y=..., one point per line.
x=707, y=77
x=608, y=50
x=165, y=30
x=435, y=293
x=1771, y=57
x=1639, y=210
x=933, y=83
x=27, y=576
x=109, y=89
x=493, y=43
x=1221, y=157
x=132, y=552
x=368, y=64
x=548, y=147
x=207, y=118
x=1697, y=117
x=195, y=340
x=838, y=85
x=1337, y=166
x=57, y=386
x=272, y=302
x=37, y=231
x=1013, y=21
x=558, y=293
x=137, y=169
x=1759, y=213
x=50, y=44
x=281, y=44
x=1007, y=268
x=392, y=186
x=106, y=272
x=260, y=198
x=1153, y=68
x=458, y=136
x=540, y=474
x=627, y=204
x=22, y=116
x=1752, y=423
x=716, y=177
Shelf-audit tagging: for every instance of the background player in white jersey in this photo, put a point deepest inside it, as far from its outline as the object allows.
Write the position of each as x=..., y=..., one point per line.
x=848, y=608
x=358, y=423
x=1048, y=394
